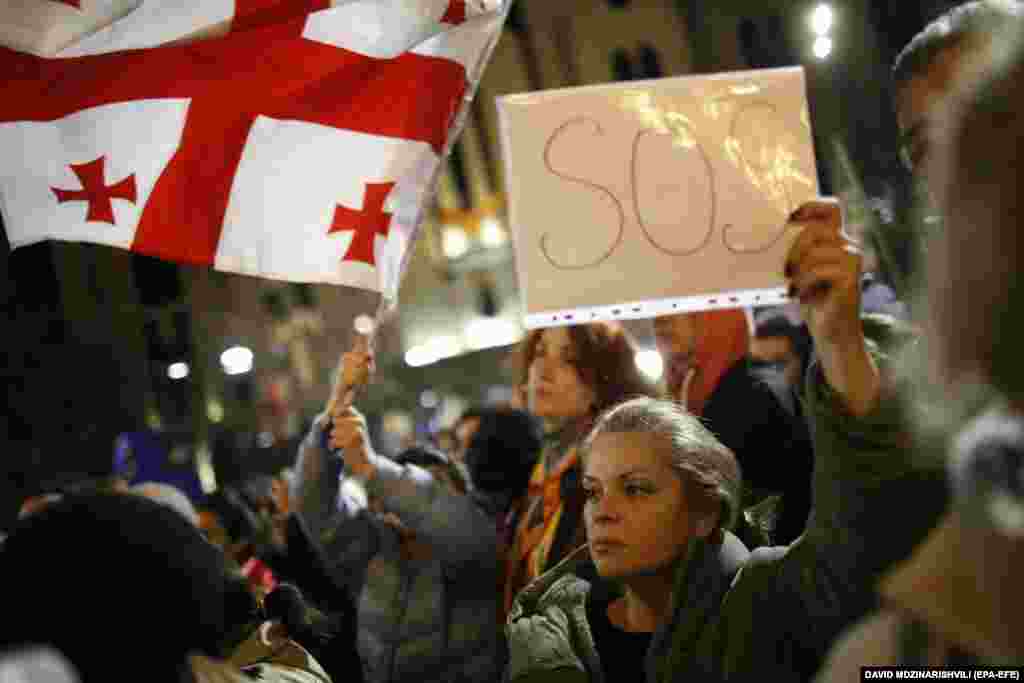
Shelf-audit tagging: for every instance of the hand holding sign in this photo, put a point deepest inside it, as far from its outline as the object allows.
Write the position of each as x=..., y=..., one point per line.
x=648, y=198
x=824, y=268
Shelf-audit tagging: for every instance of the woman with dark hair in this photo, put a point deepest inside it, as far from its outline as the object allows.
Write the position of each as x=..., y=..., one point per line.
x=572, y=374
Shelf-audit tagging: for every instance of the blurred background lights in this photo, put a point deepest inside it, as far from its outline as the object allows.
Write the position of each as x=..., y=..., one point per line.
x=822, y=47
x=418, y=356
x=215, y=410
x=487, y=333
x=454, y=241
x=237, y=360
x=821, y=19
x=650, y=363
x=177, y=370
x=435, y=349
x=363, y=324
x=492, y=234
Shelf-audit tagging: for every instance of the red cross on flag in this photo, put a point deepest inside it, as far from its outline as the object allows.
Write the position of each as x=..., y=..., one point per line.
x=289, y=139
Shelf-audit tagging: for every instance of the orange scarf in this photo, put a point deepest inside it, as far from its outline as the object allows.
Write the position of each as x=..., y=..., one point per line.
x=537, y=526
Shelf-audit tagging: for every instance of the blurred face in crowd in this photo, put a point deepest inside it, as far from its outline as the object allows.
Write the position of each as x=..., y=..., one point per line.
x=557, y=391
x=975, y=264
x=676, y=339
x=636, y=514
x=777, y=352
x=918, y=102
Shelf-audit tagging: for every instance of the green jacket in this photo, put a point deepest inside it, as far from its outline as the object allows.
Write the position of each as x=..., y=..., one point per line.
x=775, y=611
x=549, y=636
x=547, y=628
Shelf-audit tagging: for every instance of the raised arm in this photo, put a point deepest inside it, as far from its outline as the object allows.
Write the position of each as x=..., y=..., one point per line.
x=451, y=523
x=873, y=497
x=330, y=502
x=824, y=268
x=860, y=427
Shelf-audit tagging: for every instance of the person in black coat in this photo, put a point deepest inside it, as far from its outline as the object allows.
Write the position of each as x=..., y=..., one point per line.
x=708, y=372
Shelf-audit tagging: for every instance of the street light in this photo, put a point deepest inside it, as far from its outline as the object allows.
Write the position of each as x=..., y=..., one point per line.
x=650, y=363
x=822, y=47
x=821, y=19
x=177, y=370
x=237, y=360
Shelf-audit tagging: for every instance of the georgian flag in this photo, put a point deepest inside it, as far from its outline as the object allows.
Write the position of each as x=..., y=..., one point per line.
x=289, y=139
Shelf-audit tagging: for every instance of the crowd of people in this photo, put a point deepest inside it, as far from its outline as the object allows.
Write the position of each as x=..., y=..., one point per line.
x=773, y=510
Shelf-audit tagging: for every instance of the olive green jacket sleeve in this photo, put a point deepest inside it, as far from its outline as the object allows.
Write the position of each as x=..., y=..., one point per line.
x=874, y=500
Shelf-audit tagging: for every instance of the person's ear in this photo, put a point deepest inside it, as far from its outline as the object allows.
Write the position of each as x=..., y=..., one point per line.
x=705, y=524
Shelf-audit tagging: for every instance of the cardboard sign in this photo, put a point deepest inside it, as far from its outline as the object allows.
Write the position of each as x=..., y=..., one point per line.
x=638, y=199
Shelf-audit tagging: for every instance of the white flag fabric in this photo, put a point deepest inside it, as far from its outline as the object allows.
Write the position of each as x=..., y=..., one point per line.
x=290, y=140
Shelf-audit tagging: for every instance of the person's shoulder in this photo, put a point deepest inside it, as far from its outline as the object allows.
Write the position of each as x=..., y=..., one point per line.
x=760, y=570
x=561, y=588
x=564, y=593
x=872, y=641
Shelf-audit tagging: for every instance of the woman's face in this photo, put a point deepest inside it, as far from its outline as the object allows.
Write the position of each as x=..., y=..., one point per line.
x=556, y=389
x=638, y=522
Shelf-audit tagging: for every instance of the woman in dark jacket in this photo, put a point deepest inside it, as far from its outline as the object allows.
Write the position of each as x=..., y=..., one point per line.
x=711, y=610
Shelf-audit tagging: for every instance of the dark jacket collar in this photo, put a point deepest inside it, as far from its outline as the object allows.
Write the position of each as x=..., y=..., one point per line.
x=701, y=583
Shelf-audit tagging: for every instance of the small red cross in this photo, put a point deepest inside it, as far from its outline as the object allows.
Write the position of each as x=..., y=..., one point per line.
x=368, y=222
x=455, y=13
x=96, y=191
x=412, y=97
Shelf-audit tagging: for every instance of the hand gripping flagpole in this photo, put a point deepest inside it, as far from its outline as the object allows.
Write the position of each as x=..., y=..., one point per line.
x=352, y=379
x=365, y=326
